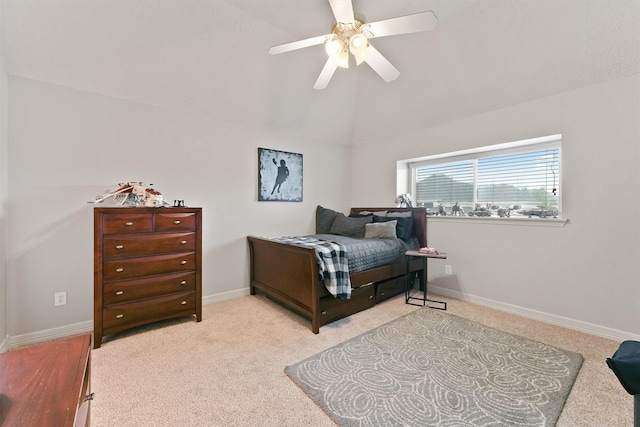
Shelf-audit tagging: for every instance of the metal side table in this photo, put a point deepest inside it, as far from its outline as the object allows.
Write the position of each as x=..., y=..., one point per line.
x=423, y=280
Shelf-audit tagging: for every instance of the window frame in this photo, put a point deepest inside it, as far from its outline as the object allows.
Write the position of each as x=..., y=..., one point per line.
x=496, y=150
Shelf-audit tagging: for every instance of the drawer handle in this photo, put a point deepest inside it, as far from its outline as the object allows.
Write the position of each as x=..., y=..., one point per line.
x=128, y=223
x=119, y=246
x=183, y=303
x=176, y=222
x=119, y=316
x=119, y=292
x=89, y=396
x=184, y=242
x=184, y=282
x=324, y=312
x=370, y=296
x=183, y=262
x=119, y=270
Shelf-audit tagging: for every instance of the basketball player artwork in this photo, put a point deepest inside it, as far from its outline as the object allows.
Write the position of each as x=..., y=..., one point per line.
x=279, y=176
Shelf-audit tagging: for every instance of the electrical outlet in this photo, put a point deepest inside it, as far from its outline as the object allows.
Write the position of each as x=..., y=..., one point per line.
x=60, y=298
x=447, y=269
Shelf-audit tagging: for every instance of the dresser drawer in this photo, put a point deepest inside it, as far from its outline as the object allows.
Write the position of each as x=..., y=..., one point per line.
x=127, y=223
x=131, y=245
x=131, y=268
x=123, y=316
x=130, y=290
x=176, y=221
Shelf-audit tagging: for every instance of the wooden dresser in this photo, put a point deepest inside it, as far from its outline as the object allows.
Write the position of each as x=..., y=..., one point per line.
x=147, y=266
x=47, y=384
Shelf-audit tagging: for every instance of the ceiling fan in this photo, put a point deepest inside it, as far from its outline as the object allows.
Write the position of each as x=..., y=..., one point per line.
x=350, y=34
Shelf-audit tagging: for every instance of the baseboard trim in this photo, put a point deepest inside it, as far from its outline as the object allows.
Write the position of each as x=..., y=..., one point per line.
x=12, y=342
x=49, y=334
x=16, y=341
x=565, y=322
x=224, y=296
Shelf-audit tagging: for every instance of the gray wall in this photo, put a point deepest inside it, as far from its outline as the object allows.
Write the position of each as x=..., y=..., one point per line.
x=67, y=146
x=3, y=200
x=583, y=275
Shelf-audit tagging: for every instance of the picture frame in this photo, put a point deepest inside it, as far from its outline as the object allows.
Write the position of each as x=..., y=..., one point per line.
x=280, y=176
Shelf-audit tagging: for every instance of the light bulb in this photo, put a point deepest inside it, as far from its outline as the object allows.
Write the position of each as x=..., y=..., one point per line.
x=357, y=43
x=359, y=47
x=333, y=48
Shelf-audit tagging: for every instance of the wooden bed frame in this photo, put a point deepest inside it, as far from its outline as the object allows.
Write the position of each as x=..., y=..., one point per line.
x=289, y=275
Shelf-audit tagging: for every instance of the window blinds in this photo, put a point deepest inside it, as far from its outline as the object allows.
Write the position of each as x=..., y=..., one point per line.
x=522, y=178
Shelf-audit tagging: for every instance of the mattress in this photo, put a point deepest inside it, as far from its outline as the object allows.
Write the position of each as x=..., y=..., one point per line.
x=365, y=254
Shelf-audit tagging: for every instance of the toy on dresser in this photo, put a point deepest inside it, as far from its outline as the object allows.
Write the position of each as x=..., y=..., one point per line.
x=133, y=194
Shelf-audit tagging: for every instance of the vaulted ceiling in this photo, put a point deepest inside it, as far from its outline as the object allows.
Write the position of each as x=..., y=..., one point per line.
x=209, y=57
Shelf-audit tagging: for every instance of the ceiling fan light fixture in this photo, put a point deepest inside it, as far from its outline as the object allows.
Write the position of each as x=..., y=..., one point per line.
x=334, y=47
x=337, y=50
x=343, y=59
x=360, y=58
x=357, y=43
x=359, y=47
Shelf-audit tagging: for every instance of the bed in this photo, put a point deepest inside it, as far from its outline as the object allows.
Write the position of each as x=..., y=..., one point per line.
x=290, y=275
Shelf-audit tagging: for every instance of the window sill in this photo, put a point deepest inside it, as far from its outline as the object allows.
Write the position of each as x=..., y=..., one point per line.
x=529, y=222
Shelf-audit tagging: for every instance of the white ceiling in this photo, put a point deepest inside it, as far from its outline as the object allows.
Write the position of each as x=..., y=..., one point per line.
x=210, y=57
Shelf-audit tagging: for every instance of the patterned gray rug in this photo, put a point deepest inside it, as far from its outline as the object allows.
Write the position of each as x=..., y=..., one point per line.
x=430, y=368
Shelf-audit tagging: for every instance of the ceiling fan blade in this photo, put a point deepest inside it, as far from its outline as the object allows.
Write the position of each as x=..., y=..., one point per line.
x=287, y=47
x=381, y=65
x=342, y=10
x=423, y=21
x=326, y=74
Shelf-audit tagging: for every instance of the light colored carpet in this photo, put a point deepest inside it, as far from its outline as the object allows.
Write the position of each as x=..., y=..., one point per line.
x=431, y=368
x=228, y=370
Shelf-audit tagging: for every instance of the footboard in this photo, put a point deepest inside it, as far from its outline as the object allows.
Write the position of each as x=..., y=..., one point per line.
x=289, y=274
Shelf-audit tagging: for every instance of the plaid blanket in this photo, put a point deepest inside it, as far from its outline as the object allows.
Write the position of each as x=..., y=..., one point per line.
x=332, y=263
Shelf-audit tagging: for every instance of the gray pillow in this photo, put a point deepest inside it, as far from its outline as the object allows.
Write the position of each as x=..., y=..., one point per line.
x=351, y=227
x=324, y=220
x=379, y=213
x=399, y=214
x=380, y=230
x=404, y=228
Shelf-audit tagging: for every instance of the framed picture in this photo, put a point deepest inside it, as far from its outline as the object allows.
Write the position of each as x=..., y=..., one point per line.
x=279, y=176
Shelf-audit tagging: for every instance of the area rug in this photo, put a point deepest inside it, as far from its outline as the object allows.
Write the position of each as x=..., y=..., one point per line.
x=431, y=368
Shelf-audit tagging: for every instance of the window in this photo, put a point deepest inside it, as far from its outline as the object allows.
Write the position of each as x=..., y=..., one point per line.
x=520, y=179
